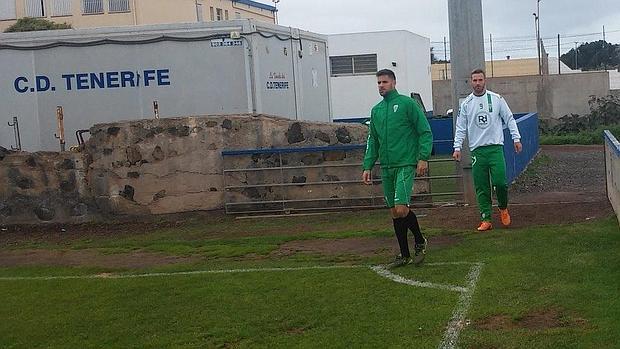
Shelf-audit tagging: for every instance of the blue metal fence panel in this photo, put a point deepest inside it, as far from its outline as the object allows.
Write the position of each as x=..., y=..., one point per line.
x=442, y=135
x=515, y=164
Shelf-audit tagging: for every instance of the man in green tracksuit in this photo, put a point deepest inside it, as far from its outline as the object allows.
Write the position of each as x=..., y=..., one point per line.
x=480, y=118
x=400, y=137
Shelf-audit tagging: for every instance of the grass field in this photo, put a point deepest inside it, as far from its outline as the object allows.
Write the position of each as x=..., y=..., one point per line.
x=540, y=287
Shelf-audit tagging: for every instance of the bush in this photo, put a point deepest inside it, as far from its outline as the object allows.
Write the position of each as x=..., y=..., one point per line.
x=29, y=24
x=583, y=137
x=587, y=129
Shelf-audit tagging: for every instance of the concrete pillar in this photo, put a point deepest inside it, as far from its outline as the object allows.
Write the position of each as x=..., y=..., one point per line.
x=466, y=54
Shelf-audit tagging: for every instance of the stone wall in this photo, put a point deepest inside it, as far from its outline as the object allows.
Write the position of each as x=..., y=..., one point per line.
x=175, y=165
x=150, y=166
x=43, y=187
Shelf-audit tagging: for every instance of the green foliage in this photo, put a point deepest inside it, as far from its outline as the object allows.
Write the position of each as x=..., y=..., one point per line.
x=586, y=129
x=29, y=24
x=595, y=55
x=583, y=138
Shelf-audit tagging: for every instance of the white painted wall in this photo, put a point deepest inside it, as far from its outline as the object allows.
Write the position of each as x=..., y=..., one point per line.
x=614, y=79
x=354, y=96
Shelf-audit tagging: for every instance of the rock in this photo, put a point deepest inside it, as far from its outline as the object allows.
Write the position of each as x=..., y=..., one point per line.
x=5, y=210
x=67, y=186
x=158, y=154
x=3, y=153
x=79, y=210
x=67, y=164
x=24, y=183
x=128, y=192
x=295, y=134
x=31, y=162
x=300, y=179
x=133, y=155
x=323, y=137
x=227, y=124
x=45, y=214
x=113, y=131
x=159, y=195
x=330, y=178
x=343, y=135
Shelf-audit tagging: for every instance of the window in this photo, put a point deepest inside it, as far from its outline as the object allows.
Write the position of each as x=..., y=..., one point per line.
x=35, y=8
x=61, y=7
x=7, y=10
x=212, y=13
x=226, y=14
x=353, y=65
x=218, y=14
x=119, y=6
x=92, y=6
x=199, y=15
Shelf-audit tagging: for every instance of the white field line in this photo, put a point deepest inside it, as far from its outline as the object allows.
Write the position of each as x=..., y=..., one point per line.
x=196, y=272
x=180, y=273
x=383, y=271
x=451, y=336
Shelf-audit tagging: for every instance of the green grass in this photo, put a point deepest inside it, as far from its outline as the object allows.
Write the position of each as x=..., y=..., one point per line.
x=443, y=185
x=571, y=269
x=582, y=138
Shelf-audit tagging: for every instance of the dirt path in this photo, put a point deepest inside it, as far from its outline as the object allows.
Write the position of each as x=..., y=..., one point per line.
x=563, y=174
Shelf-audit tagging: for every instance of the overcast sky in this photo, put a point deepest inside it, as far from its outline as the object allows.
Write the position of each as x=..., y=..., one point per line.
x=504, y=19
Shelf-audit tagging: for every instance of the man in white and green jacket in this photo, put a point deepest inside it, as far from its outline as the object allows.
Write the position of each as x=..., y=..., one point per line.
x=480, y=118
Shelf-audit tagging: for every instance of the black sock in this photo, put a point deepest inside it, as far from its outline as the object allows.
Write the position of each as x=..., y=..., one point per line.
x=412, y=223
x=400, y=228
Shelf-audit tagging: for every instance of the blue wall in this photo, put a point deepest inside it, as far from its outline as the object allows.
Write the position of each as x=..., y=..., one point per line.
x=515, y=164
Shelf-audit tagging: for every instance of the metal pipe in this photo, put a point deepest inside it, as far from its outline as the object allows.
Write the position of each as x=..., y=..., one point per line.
x=156, y=109
x=329, y=183
x=18, y=140
x=314, y=166
x=61, y=127
x=445, y=58
x=559, y=61
x=334, y=199
x=491, y=45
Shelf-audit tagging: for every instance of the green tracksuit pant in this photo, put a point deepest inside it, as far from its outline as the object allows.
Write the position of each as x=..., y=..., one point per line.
x=489, y=168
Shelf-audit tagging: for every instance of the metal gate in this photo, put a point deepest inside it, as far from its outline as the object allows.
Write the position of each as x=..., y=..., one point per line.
x=293, y=180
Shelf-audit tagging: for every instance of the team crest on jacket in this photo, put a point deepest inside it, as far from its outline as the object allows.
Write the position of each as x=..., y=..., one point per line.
x=482, y=119
x=396, y=108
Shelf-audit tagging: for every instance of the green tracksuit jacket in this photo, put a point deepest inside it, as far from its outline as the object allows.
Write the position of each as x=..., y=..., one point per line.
x=399, y=133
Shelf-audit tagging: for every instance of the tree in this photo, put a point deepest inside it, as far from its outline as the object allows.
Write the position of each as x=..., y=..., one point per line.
x=595, y=55
x=29, y=24
x=434, y=58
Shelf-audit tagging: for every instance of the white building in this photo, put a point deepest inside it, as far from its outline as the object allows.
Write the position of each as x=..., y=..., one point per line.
x=356, y=57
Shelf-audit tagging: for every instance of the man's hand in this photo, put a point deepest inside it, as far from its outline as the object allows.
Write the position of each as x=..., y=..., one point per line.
x=518, y=147
x=456, y=155
x=366, y=177
x=422, y=168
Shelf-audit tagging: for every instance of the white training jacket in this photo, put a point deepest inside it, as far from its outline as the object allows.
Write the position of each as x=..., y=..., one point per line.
x=481, y=119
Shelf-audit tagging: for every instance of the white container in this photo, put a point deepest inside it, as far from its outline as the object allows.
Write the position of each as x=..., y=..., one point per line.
x=231, y=67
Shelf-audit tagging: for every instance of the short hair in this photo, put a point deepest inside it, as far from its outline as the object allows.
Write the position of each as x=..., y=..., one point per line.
x=478, y=71
x=387, y=72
